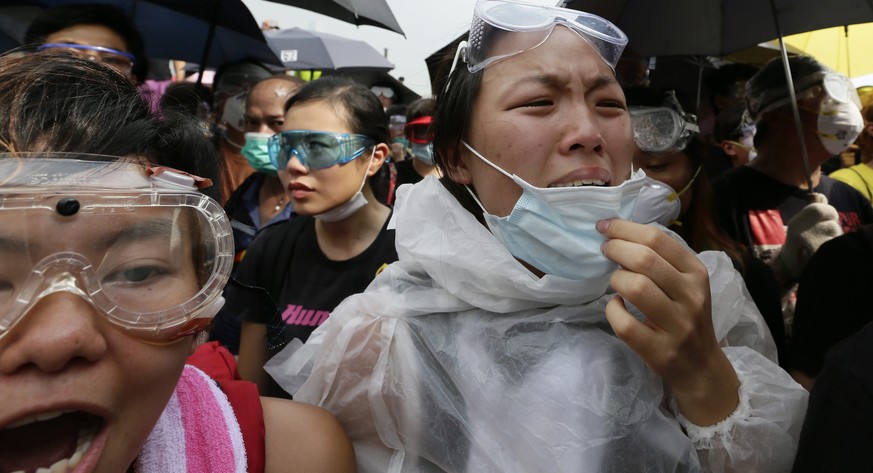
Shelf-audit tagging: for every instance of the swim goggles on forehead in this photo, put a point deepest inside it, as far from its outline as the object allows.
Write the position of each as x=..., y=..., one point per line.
x=141, y=245
x=419, y=130
x=531, y=25
x=316, y=149
x=836, y=86
x=111, y=57
x=664, y=129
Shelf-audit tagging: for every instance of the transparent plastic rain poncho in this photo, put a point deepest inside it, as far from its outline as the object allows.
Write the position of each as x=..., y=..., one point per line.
x=458, y=359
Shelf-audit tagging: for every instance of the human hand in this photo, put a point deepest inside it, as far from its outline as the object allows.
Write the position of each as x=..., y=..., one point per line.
x=817, y=223
x=670, y=285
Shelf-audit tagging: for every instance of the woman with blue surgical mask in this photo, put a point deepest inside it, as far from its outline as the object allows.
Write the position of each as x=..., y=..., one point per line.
x=529, y=325
x=333, y=140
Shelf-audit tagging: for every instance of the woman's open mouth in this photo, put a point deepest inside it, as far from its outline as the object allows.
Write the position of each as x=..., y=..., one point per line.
x=53, y=441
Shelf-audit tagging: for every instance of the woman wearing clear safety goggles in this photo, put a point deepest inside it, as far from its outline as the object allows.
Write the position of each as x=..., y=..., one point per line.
x=529, y=325
x=329, y=154
x=111, y=262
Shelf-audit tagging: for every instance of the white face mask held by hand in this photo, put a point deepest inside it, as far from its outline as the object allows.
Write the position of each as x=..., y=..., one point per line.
x=553, y=229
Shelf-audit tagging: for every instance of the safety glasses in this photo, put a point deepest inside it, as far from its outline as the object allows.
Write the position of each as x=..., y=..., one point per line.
x=386, y=92
x=316, y=149
x=119, y=60
x=530, y=26
x=419, y=130
x=835, y=86
x=665, y=129
x=141, y=245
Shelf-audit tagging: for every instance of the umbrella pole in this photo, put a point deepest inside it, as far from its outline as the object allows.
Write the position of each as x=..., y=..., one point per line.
x=216, y=9
x=803, y=152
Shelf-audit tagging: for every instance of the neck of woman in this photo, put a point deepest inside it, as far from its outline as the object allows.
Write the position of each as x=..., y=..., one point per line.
x=348, y=238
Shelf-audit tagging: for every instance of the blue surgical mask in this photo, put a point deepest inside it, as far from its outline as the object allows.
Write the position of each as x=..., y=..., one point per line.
x=423, y=152
x=255, y=152
x=553, y=229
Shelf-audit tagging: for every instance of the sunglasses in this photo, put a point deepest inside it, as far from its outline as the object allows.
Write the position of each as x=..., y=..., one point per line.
x=316, y=149
x=419, y=130
x=111, y=57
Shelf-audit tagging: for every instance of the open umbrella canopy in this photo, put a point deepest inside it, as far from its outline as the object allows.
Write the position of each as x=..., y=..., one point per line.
x=357, y=12
x=843, y=48
x=719, y=27
x=301, y=49
x=173, y=29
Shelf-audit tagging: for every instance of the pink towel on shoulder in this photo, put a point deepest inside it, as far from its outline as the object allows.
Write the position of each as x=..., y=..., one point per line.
x=197, y=432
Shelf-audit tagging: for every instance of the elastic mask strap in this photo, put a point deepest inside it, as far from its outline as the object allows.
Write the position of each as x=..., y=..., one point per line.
x=372, y=154
x=462, y=46
x=483, y=158
x=675, y=195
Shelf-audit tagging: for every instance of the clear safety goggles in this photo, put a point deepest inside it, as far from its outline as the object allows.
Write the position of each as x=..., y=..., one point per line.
x=316, y=149
x=140, y=244
x=111, y=57
x=836, y=87
x=665, y=129
x=531, y=25
x=419, y=130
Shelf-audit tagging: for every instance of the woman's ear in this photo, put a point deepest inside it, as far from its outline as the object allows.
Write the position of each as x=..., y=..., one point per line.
x=380, y=153
x=456, y=162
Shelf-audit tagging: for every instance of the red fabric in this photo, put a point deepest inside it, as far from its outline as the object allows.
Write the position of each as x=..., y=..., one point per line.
x=214, y=360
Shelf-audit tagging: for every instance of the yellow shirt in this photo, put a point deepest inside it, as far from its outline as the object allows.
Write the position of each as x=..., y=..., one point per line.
x=859, y=176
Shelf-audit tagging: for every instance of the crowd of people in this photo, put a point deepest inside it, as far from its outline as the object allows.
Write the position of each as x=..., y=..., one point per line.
x=548, y=265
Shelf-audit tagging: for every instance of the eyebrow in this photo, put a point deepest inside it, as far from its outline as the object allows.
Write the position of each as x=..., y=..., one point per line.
x=135, y=232
x=554, y=81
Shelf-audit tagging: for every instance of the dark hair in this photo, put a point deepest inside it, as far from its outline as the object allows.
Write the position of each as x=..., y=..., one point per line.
x=396, y=109
x=55, y=19
x=451, y=120
x=70, y=104
x=423, y=107
x=723, y=81
x=355, y=103
x=362, y=112
x=727, y=124
x=187, y=97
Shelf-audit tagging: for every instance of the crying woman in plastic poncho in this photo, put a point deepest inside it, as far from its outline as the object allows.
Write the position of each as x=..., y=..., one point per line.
x=529, y=325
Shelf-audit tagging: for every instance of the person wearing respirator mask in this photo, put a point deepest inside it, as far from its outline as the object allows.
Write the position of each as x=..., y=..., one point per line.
x=678, y=194
x=767, y=205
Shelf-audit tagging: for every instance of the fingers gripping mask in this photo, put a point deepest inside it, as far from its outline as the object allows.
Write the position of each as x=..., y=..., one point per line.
x=553, y=229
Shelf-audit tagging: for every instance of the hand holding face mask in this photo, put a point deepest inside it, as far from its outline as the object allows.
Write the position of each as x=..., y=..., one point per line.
x=667, y=282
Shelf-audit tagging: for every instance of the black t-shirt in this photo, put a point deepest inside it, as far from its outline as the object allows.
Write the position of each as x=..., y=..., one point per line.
x=833, y=301
x=406, y=173
x=310, y=285
x=838, y=430
x=754, y=209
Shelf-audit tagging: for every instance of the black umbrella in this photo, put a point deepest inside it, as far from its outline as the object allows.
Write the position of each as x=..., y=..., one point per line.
x=357, y=12
x=300, y=49
x=208, y=32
